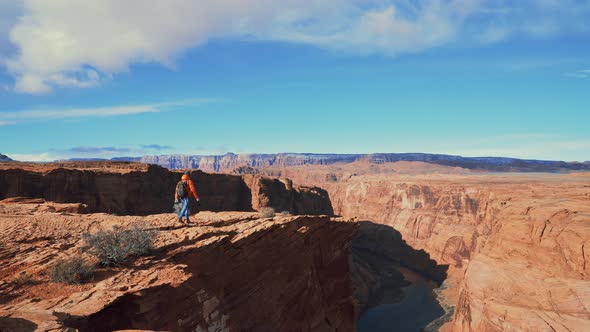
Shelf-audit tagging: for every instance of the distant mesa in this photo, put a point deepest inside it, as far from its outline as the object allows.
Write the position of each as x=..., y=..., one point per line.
x=229, y=162
x=5, y=158
x=251, y=163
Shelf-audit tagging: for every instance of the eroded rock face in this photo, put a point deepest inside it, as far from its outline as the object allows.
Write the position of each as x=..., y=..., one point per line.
x=135, y=189
x=531, y=275
x=516, y=245
x=282, y=196
x=229, y=272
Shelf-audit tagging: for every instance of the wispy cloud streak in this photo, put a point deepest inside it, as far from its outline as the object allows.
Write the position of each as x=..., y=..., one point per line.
x=98, y=149
x=7, y=118
x=157, y=147
x=585, y=73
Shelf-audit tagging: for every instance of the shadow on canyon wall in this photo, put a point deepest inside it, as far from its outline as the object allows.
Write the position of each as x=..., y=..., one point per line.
x=379, y=257
x=10, y=324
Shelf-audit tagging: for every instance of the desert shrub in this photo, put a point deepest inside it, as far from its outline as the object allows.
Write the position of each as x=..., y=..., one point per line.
x=331, y=177
x=285, y=213
x=23, y=278
x=72, y=271
x=266, y=212
x=115, y=247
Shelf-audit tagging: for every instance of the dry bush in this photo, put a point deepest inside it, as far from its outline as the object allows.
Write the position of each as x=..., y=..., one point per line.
x=285, y=213
x=115, y=247
x=266, y=212
x=72, y=271
x=23, y=278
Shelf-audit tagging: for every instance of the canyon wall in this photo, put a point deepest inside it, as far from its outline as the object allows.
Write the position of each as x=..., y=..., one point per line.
x=149, y=189
x=516, y=249
x=515, y=245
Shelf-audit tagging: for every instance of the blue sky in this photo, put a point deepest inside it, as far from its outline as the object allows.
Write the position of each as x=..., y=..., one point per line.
x=116, y=78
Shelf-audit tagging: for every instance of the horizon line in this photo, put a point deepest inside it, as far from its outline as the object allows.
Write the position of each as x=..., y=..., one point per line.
x=297, y=153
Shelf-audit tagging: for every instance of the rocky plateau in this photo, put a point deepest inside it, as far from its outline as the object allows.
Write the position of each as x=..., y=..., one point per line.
x=229, y=271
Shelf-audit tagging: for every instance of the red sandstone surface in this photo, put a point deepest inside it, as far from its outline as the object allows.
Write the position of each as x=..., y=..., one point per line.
x=517, y=244
x=229, y=271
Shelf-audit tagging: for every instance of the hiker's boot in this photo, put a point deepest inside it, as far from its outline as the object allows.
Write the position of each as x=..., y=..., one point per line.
x=188, y=221
x=180, y=220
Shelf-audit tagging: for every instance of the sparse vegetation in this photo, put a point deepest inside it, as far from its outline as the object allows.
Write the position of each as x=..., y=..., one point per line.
x=266, y=212
x=72, y=271
x=23, y=278
x=331, y=177
x=285, y=213
x=115, y=247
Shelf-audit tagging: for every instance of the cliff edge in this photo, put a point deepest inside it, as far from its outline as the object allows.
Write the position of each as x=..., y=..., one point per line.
x=230, y=271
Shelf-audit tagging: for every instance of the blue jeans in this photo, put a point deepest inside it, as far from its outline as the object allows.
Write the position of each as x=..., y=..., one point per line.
x=184, y=211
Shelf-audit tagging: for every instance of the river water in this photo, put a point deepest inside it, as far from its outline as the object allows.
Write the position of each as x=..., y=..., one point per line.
x=418, y=308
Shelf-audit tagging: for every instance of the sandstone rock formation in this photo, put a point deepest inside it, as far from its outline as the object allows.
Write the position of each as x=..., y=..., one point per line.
x=137, y=189
x=230, y=271
x=280, y=195
x=516, y=245
x=228, y=162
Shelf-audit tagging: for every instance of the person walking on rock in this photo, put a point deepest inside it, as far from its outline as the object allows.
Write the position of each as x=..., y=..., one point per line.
x=185, y=188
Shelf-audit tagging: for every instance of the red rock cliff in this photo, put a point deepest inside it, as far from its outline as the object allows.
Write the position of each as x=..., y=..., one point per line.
x=231, y=272
x=516, y=245
x=135, y=189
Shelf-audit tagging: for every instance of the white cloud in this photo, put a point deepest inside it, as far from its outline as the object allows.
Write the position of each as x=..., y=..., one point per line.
x=81, y=112
x=103, y=152
x=585, y=73
x=494, y=34
x=10, y=10
x=14, y=117
x=74, y=43
x=45, y=156
x=525, y=146
x=386, y=31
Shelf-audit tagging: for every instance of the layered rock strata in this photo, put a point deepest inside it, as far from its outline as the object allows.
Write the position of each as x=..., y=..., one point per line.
x=135, y=189
x=230, y=271
x=231, y=161
x=516, y=245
